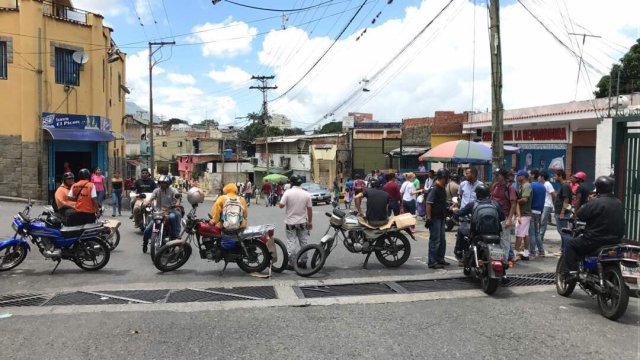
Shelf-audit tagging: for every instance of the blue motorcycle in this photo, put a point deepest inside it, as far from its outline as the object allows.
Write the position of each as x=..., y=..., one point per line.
x=85, y=245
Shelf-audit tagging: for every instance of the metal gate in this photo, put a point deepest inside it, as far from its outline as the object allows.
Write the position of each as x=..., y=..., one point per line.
x=626, y=141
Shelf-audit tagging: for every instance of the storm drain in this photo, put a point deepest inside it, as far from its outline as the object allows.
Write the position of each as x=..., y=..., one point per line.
x=23, y=300
x=416, y=286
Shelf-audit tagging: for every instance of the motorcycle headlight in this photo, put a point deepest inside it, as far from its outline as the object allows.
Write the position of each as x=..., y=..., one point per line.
x=14, y=227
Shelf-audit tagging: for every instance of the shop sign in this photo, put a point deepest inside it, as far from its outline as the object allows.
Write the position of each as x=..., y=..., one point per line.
x=73, y=121
x=532, y=135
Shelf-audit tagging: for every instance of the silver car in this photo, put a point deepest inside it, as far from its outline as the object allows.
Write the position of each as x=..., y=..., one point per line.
x=318, y=193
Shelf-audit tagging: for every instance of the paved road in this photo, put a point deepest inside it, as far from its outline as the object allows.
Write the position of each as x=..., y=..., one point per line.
x=510, y=325
x=128, y=265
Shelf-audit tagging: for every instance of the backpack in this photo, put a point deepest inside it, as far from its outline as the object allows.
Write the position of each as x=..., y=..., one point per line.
x=485, y=219
x=231, y=214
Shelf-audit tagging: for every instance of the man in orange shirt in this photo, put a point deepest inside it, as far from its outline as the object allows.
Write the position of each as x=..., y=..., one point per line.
x=86, y=198
x=64, y=206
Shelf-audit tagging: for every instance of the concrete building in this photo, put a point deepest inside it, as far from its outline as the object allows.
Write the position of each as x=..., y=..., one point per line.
x=138, y=151
x=62, y=80
x=286, y=155
x=280, y=121
x=370, y=142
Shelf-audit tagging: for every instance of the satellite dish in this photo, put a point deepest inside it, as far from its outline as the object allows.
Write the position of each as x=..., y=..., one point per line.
x=80, y=57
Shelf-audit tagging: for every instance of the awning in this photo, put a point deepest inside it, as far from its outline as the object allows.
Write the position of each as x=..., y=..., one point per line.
x=134, y=162
x=79, y=135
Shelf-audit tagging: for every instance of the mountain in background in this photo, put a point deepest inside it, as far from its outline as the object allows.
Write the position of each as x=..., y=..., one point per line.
x=132, y=109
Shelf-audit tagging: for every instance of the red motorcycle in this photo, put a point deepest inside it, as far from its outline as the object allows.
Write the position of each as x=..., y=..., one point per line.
x=253, y=249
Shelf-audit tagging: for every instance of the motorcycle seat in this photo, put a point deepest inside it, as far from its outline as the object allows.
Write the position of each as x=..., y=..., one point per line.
x=490, y=239
x=66, y=229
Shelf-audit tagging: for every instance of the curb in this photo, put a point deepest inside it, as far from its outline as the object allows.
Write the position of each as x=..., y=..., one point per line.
x=21, y=200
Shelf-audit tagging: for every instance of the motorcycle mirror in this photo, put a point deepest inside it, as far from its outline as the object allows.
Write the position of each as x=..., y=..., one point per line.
x=178, y=196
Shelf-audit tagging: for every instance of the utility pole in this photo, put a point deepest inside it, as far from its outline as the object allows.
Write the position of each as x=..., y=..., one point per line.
x=159, y=45
x=497, y=148
x=584, y=39
x=265, y=111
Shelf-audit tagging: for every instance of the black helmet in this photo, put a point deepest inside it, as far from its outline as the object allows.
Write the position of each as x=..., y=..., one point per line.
x=374, y=184
x=604, y=185
x=296, y=180
x=68, y=175
x=164, y=179
x=482, y=191
x=443, y=174
x=84, y=174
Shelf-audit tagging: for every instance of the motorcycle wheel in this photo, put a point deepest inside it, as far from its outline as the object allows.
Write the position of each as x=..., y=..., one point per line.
x=92, y=254
x=393, y=244
x=450, y=224
x=13, y=256
x=613, y=303
x=114, y=240
x=172, y=257
x=563, y=286
x=155, y=243
x=258, y=259
x=315, y=258
x=282, y=257
x=489, y=285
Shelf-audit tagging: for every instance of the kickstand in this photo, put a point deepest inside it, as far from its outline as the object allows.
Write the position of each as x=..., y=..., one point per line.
x=224, y=268
x=55, y=267
x=366, y=260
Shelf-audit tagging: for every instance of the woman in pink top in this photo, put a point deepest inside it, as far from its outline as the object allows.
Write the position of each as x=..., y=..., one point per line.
x=98, y=180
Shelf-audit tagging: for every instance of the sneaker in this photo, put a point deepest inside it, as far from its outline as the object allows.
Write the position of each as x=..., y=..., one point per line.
x=436, y=266
x=541, y=254
x=144, y=248
x=444, y=262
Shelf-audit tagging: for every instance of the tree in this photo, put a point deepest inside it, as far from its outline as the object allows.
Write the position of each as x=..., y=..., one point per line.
x=294, y=131
x=629, y=70
x=173, y=121
x=208, y=123
x=331, y=127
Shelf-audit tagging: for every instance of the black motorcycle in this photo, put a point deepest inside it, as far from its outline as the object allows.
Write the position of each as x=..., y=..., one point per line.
x=608, y=274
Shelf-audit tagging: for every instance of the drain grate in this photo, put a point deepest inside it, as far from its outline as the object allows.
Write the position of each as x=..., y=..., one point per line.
x=346, y=290
x=439, y=285
x=531, y=279
x=83, y=298
x=23, y=300
x=222, y=294
x=141, y=295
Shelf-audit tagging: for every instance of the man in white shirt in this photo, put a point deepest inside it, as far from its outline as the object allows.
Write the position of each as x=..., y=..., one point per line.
x=299, y=214
x=467, y=189
x=550, y=196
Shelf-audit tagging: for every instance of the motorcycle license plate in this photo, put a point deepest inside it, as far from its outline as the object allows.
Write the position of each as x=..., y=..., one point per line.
x=497, y=253
x=630, y=271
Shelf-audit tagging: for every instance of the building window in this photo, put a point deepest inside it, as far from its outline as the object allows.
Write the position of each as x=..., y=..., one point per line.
x=3, y=60
x=119, y=87
x=67, y=70
x=179, y=143
x=164, y=144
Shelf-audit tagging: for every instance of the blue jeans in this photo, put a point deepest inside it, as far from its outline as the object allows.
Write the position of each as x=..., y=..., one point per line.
x=544, y=221
x=535, y=242
x=116, y=199
x=562, y=223
x=437, y=241
x=175, y=220
x=100, y=196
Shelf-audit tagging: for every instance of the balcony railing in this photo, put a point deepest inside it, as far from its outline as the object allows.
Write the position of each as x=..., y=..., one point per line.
x=64, y=12
x=8, y=4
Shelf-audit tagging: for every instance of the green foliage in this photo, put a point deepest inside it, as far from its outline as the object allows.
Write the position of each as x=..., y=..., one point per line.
x=629, y=70
x=173, y=121
x=293, y=131
x=331, y=127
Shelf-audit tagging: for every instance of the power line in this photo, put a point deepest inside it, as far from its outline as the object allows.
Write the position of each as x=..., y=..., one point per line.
x=275, y=10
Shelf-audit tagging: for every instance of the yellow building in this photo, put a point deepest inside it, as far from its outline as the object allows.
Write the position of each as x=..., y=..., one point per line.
x=63, y=95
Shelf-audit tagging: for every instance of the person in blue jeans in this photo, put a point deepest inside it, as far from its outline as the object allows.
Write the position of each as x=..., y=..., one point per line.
x=436, y=204
x=166, y=199
x=563, y=199
x=538, y=194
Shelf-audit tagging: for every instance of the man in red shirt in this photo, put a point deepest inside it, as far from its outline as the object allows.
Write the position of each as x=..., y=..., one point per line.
x=503, y=193
x=393, y=189
x=266, y=190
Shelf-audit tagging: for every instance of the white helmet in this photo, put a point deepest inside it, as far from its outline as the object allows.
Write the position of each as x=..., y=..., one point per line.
x=195, y=196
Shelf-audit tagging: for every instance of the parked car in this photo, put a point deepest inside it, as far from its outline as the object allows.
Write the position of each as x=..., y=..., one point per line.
x=319, y=193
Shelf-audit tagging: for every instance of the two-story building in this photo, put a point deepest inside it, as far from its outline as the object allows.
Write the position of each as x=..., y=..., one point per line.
x=62, y=80
x=138, y=151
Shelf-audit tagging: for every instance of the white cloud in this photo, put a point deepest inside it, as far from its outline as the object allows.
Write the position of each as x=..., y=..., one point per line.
x=138, y=77
x=185, y=79
x=103, y=7
x=226, y=39
x=230, y=75
x=436, y=72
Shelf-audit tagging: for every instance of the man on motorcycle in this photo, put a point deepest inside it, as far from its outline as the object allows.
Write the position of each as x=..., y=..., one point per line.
x=377, y=202
x=230, y=210
x=166, y=200
x=143, y=185
x=84, y=194
x=604, y=216
x=64, y=206
x=485, y=223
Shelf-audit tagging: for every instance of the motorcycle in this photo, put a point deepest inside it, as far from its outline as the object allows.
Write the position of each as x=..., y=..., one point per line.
x=388, y=242
x=484, y=259
x=54, y=220
x=141, y=220
x=161, y=231
x=84, y=245
x=450, y=220
x=253, y=249
x=608, y=274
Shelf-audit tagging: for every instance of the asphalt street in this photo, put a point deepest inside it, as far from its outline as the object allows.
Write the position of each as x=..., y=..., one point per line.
x=128, y=266
x=536, y=325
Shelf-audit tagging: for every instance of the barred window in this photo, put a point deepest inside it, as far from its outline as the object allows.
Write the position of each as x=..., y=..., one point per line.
x=67, y=70
x=3, y=60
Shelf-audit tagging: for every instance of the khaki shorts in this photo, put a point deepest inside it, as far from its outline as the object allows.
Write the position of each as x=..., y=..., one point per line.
x=522, y=226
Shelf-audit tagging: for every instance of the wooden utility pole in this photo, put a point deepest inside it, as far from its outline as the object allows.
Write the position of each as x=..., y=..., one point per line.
x=265, y=111
x=497, y=148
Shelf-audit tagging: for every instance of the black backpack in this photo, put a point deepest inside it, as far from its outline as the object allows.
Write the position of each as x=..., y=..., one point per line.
x=485, y=219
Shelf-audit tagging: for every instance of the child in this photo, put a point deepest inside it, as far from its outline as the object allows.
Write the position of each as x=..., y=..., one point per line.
x=348, y=198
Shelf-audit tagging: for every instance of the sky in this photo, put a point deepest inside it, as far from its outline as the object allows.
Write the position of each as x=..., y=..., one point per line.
x=396, y=60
